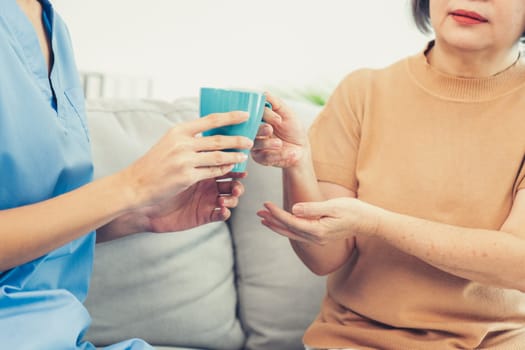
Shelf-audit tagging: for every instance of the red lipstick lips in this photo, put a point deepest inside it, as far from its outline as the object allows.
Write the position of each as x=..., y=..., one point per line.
x=468, y=17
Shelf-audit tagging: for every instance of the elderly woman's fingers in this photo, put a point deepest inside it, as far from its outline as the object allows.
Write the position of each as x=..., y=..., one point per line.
x=278, y=106
x=267, y=144
x=271, y=117
x=264, y=131
x=280, y=228
x=286, y=224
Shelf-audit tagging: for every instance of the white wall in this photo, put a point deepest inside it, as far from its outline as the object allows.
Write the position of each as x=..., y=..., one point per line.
x=276, y=44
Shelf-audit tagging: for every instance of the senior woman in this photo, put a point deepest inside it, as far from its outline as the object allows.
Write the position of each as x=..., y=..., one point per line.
x=409, y=191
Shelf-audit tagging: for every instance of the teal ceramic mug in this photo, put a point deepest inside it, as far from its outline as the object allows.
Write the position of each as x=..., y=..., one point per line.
x=213, y=100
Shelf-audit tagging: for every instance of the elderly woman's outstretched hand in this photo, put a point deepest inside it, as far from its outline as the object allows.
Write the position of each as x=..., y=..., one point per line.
x=322, y=222
x=281, y=140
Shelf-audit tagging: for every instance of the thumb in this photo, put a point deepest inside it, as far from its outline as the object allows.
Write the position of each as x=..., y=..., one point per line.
x=312, y=209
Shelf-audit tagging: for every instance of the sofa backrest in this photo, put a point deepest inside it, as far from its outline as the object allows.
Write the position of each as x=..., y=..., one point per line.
x=228, y=286
x=278, y=295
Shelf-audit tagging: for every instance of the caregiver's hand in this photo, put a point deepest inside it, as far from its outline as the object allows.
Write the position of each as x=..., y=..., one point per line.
x=281, y=140
x=182, y=158
x=206, y=201
x=322, y=222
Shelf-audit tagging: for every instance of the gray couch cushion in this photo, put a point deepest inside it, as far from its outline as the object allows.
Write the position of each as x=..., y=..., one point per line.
x=278, y=295
x=172, y=289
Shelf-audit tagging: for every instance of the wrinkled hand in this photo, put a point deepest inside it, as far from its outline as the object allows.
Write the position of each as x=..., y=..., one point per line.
x=322, y=222
x=204, y=202
x=183, y=158
x=281, y=141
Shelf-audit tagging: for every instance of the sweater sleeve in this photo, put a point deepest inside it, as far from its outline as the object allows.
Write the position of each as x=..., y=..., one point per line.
x=335, y=136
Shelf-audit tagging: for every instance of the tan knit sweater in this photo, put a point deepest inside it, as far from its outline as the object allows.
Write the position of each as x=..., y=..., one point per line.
x=412, y=140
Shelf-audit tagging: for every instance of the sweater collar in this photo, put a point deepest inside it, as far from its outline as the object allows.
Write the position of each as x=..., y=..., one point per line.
x=465, y=89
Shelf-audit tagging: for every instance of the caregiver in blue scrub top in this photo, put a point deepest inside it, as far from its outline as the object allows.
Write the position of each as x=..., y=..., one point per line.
x=49, y=205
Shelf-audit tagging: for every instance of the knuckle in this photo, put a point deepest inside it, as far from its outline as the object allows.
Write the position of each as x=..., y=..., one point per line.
x=177, y=163
x=233, y=202
x=219, y=158
x=322, y=236
x=186, y=173
x=213, y=120
x=222, y=170
x=239, y=114
x=240, y=141
x=217, y=141
x=176, y=132
x=239, y=187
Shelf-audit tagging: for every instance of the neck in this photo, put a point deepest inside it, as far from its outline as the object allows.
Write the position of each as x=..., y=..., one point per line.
x=31, y=7
x=27, y=2
x=471, y=64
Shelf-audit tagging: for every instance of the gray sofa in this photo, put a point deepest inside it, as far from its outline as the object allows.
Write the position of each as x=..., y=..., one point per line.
x=222, y=286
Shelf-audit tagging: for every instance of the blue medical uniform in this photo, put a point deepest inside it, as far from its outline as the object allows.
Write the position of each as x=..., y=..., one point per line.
x=44, y=152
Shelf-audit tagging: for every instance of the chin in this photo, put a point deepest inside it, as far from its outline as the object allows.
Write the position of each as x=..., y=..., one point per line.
x=466, y=43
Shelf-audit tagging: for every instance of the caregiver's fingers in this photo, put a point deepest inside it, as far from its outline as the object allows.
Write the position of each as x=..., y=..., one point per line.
x=218, y=158
x=237, y=188
x=220, y=142
x=231, y=199
x=210, y=172
x=227, y=201
x=214, y=120
x=224, y=186
x=220, y=214
x=231, y=176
